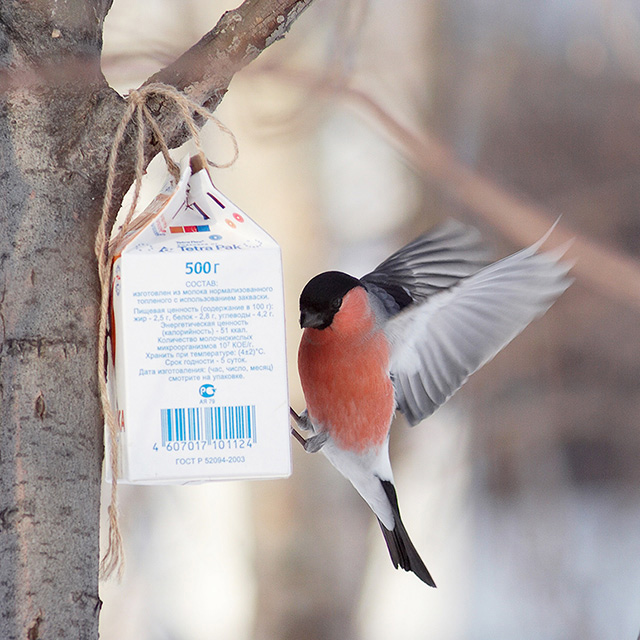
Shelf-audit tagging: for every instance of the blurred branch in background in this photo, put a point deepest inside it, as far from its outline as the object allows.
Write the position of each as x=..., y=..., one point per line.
x=606, y=270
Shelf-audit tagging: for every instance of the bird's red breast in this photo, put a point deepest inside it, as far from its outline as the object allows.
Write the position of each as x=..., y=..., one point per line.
x=344, y=371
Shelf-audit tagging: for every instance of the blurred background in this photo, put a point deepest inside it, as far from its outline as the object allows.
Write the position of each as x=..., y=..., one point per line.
x=371, y=122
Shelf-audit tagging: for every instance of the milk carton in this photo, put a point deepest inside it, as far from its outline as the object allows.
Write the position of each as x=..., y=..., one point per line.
x=198, y=361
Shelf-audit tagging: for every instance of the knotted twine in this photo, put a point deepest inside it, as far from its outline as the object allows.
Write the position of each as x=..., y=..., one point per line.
x=105, y=250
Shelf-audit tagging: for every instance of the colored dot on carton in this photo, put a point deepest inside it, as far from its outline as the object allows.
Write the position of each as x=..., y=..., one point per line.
x=231, y=223
x=238, y=217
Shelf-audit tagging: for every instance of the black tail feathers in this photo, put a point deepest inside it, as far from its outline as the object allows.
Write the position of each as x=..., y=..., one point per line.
x=403, y=553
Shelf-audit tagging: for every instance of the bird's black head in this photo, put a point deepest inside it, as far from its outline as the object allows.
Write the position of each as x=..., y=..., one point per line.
x=322, y=296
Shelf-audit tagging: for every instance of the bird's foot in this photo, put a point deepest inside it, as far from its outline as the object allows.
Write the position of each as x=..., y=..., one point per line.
x=315, y=443
x=302, y=421
x=312, y=444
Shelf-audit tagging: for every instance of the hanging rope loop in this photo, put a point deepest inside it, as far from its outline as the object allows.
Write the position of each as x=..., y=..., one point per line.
x=138, y=111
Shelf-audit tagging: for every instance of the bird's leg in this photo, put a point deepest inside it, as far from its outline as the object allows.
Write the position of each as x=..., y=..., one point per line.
x=312, y=444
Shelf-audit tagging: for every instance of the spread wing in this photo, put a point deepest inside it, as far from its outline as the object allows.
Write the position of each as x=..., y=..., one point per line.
x=437, y=344
x=431, y=263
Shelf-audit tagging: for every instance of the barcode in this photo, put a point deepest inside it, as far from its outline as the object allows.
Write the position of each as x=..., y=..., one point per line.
x=208, y=424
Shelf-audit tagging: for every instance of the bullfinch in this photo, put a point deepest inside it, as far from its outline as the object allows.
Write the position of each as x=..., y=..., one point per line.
x=405, y=337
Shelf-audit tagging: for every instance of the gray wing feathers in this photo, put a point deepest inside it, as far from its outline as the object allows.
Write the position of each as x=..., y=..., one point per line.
x=437, y=344
x=432, y=262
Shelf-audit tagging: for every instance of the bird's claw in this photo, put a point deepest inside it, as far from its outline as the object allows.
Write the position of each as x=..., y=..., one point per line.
x=315, y=443
x=312, y=444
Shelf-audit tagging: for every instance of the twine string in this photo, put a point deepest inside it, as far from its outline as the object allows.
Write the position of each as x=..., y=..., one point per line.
x=137, y=110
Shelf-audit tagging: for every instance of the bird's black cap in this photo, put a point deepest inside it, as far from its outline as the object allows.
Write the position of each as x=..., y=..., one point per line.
x=322, y=296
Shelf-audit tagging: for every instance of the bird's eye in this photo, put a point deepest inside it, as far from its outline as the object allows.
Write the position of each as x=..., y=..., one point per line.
x=335, y=304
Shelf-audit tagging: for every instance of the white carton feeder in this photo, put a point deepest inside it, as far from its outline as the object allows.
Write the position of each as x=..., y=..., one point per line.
x=198, y=335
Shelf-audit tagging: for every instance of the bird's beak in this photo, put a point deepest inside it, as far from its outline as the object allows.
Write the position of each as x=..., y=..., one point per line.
x=312, y=320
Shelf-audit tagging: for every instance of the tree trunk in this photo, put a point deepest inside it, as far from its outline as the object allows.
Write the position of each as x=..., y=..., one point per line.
x=57, y=120
x=50, y=437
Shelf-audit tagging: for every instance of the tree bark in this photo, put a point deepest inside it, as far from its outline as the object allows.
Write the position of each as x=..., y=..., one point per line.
x=57, y=120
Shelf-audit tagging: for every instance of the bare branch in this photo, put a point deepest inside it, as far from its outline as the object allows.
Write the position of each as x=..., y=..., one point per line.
x=205, y=71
